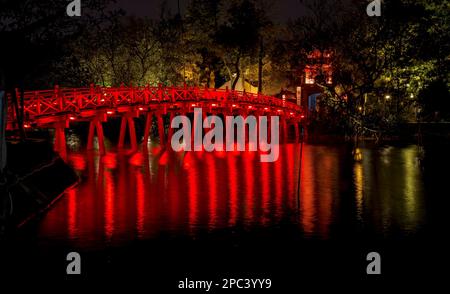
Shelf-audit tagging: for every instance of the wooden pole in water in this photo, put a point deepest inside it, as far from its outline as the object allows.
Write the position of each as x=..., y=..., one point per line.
x=3, y=122
x=300, y=170
x=4, y=194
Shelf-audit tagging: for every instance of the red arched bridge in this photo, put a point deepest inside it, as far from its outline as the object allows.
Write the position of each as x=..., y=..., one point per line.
x=58, y=107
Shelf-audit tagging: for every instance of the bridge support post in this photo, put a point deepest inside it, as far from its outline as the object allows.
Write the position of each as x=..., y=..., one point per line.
x=161, y=129
x=127, y=119
x=60, y=140
x=148, y=128
x=284, y=130
x=170, y=134
x=95, y=125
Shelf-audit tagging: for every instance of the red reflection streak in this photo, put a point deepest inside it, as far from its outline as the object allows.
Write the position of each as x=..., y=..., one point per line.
x=212, y=184
x=137, y=159
x=140, y=191
x=249, y=177
x=109, y=205
x=109, y=160
x=173, y=194
x=187, y=160
x=77, y=161
x=86, y=197
x=232, y=179
x=290, y=158
x=307, y=192
x=72, y=224
x=265, y=191
x=164, y=159
x=326, y=193
x=278, y=185
x=193, y=191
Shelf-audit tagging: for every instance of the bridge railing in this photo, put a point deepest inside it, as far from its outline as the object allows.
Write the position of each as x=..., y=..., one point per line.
x=75, y=100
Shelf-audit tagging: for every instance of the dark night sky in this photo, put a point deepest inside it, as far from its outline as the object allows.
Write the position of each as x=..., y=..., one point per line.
x=284, y=9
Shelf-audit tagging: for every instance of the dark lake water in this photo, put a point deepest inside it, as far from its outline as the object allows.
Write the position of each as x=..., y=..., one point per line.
x=123, y=197
x=216, y=214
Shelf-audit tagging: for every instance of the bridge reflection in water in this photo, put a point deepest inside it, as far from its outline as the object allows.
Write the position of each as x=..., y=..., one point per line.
x=126, y=197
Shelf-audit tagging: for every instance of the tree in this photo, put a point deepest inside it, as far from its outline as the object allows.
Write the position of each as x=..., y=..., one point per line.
x=380, y=64
x=238, y=37
x=33, y=35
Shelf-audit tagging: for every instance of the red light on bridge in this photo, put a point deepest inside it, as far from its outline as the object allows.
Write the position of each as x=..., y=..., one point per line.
x=279, y=110
x=302, y=116
x=72, y=118
x=110, y=112
x=265, y=108
x=193, y=105
x=102, y=100
x=141, y=108
x=234, y=105
x=250, y=107
x=214, y=105
x=26, y=126
x=292, y=113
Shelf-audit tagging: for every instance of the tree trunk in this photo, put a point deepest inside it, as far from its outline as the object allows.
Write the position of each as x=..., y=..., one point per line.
x=260, y=66
x=238, y=73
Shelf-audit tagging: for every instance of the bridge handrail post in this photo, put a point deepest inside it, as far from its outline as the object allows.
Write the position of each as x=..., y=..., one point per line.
x=159, y=93
x=91, y=91
x=146, y=91
x=173, y=94
x=227, y=93
x=38, y=102
x=59, y=97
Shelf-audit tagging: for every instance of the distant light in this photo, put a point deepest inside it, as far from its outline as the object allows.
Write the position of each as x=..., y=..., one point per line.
x=105, y=94
x=292, y=113
x=360, y=108
x=302, y=116
x=193, y=105
x=214, y=105
x=102, y=100
x=265, y=108
x=26, y=126
x=279, y=110
x=387, y=97
x=249, y=107
x=412, y=96
x=141, y=108
x=72, y=118
x=234, y=105
x=110, y=112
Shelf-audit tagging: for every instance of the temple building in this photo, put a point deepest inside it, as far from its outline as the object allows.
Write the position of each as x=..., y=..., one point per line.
x=317, y=69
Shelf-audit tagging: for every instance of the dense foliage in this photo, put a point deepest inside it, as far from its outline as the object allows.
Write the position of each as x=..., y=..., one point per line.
x=386, y=70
